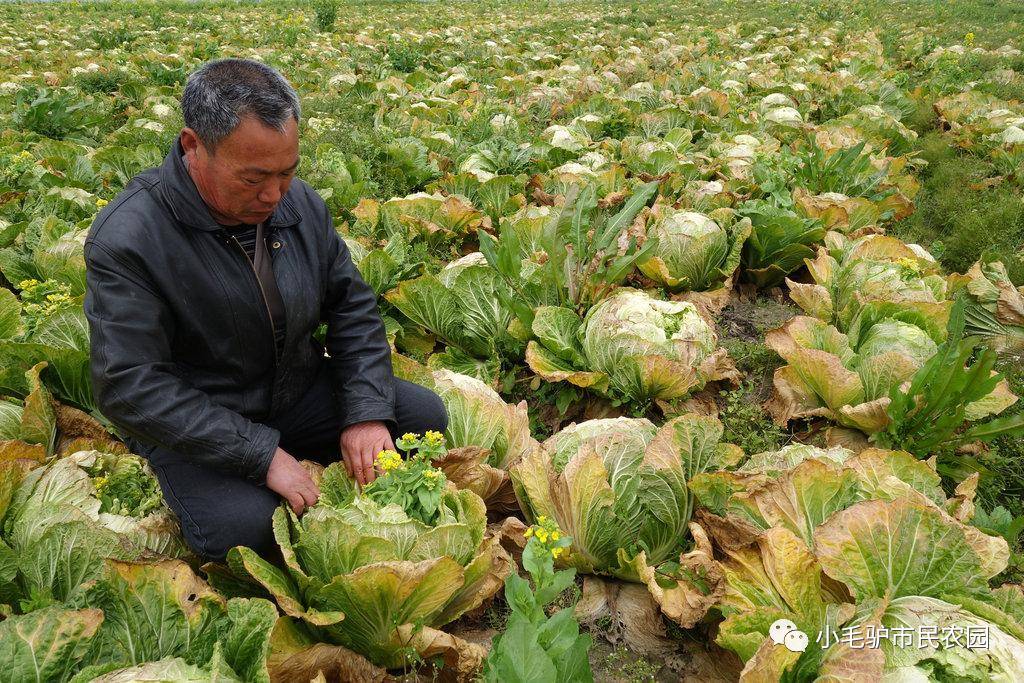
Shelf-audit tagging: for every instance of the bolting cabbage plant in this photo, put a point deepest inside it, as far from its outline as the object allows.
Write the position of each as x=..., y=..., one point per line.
x=117, y=492
x=486, y=434
x=362, y=572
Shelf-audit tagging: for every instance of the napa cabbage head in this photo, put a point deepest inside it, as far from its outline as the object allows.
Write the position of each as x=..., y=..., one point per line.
x=644, y=344
x=889, y=354
x=117, y=491
x=693, y=251
x=618, y=487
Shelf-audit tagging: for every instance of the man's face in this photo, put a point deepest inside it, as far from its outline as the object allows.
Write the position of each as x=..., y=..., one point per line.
x=244, y=178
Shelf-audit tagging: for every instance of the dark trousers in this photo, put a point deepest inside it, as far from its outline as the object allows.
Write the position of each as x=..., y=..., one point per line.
x=218, y=510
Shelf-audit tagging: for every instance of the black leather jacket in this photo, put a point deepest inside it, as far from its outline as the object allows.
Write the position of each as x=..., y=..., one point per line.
x=183, y=352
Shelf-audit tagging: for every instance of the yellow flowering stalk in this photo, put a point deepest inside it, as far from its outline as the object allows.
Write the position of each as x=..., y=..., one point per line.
x=547, y=537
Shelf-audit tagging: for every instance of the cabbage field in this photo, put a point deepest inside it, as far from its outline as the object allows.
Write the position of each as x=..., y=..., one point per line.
x=724, y=300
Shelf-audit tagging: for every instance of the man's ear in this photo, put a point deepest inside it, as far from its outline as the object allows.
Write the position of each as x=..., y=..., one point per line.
x=192, y=145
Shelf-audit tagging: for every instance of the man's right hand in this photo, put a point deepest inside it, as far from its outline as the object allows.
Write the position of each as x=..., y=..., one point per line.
x=290, y=480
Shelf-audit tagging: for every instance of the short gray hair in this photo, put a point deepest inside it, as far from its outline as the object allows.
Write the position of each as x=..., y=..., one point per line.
x=223, y=91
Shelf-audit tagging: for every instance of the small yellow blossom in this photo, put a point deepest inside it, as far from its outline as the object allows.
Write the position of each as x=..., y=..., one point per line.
x=431, y=474
x=28, y=284
x=528, y=532
x=100, y=202
x=25, y=154
x=555, y=535
x=557, y=552
x=969, y=38
x=389, y=460
x=542, y=535
x=433, y=438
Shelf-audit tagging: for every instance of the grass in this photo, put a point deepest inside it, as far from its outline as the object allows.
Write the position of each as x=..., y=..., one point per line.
x=1004, y=482
x=746, y=423
x=958, y=218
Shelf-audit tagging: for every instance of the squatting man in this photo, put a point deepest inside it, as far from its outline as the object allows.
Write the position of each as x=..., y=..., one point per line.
x=207, y=278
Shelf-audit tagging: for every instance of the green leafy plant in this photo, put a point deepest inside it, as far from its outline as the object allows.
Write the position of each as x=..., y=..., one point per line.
x=55, y=113
x=779, y=242
x=574, y=256
x=930, y=415
x=535, y=646
x=411, y=483
x=124, y=485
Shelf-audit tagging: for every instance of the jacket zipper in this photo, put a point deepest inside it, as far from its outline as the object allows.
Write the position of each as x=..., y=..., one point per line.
x=263, y=294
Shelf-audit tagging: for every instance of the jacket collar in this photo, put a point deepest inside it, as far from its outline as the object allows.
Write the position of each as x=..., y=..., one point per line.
x=188, y=207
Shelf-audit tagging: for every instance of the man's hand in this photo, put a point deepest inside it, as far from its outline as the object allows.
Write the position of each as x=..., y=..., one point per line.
x=290, y=480
x=360, y=444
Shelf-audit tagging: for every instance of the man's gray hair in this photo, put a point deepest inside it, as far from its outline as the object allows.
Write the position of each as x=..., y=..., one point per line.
x=223, y=91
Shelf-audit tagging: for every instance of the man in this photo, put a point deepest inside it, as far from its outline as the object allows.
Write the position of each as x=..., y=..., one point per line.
x=206, y=280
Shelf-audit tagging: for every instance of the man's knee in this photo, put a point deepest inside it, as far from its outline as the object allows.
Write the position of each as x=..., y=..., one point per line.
x=418, y=409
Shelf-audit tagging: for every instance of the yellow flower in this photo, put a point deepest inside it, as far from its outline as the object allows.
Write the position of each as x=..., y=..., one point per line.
x=433, y=438
x=969, y=38
x=541, y=519
x=557, y=552
x=409, y=436
x=431, y=474
x=555, y=535
x=28, y=284
x=100, y=202
x=542, y=535
x=25, y=154
x=389, y=460
x=528, y=532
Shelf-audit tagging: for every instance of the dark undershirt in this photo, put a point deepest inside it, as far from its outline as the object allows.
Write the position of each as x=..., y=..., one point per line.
x=246, y=236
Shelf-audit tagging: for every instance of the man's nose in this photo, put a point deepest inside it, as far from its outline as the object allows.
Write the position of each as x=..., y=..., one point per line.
x=270, y=194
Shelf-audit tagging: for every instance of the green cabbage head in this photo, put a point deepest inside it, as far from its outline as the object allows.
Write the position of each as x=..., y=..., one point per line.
x=694, y=251
x=647, y=347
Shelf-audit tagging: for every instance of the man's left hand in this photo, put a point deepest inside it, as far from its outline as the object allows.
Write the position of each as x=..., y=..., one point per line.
x=360, y=444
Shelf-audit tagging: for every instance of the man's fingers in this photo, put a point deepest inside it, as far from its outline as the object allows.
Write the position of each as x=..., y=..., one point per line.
x=359, y=469
x=297, y=503
x=309, y=496
x=368, y=461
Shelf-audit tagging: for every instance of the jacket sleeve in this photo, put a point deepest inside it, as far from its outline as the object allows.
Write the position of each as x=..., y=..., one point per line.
x=133, y=376
x=360, y=357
